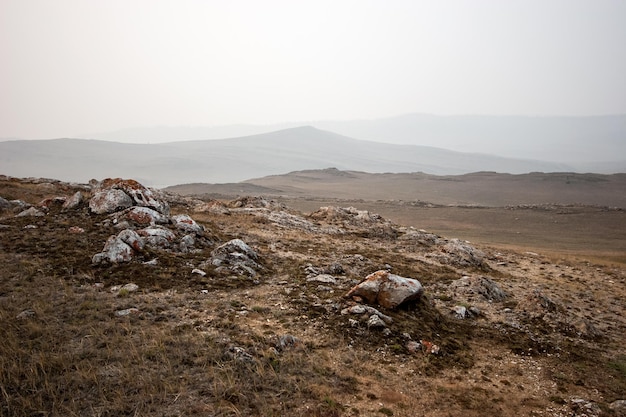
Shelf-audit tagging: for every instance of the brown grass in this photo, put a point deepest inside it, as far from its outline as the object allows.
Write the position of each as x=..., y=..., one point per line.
x=64, y=351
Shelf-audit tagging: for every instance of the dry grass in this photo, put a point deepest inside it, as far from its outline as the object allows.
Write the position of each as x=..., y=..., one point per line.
x=65, y=351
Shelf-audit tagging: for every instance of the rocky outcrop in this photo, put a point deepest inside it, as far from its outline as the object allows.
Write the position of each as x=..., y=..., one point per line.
x=478, y=285
x=115, y=194
x=460, y=253
x=387, y=290
x=357, y=221
x=236, y=256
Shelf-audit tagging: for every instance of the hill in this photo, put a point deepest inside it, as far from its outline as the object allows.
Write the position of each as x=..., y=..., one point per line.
x=120, y=300
x=478, y=188
x=586, y=144
x=237, y=159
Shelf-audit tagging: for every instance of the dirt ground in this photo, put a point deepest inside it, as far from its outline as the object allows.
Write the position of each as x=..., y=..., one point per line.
x=207, y=345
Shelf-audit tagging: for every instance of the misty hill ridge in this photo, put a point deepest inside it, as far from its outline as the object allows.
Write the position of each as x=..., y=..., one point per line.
x=593, y=142
x=237, y=159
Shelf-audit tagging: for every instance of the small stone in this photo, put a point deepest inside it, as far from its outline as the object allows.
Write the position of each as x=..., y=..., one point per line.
x=32, y=212
x=74, y=201
x=26, y=314
x=152, y=262
x=127, y=312
x=323, y=278
x=413, y=347
x=287, y=341
x=460, y=312
x=198, y=272
x=130, y=287
x=375, y=322
x=619, y=405
x=76, y=230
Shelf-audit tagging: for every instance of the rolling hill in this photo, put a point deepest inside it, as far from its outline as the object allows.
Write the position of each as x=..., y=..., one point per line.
x=238, y=159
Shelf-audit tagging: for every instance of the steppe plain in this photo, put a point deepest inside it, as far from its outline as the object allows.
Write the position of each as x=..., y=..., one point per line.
x=282, y=341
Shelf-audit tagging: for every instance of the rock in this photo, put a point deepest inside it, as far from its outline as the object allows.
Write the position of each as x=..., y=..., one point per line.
x=361, y=309
x=375, y=322
x=421, y=237
x=460, y=312
x=238, y=354
x=461, y=253
x=619, y=407
x=413, y=347
x=127, y=312
x=323, y=278
x=139, y=195
x=26, y=314
x=335, y=269
x=120, y=248
x=144, y=216
x=198, y=271
x=109, y=201
x=430, y=347
x=483, y=286
x=157, y=237
x=52, y=201
x=187, y=224
x=286, y=342
x=187, y=243
x=76, y=230
x=215, y=207
x=74, y=201
x=236, y=256
x=4, y=204
x=387, y=290
x=131, y=287
x=31, y=212
x=360, y=221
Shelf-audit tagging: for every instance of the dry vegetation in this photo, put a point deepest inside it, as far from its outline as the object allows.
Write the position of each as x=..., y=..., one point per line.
x=210, y=346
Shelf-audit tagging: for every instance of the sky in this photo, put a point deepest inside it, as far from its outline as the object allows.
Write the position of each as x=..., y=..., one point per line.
x=71, y=67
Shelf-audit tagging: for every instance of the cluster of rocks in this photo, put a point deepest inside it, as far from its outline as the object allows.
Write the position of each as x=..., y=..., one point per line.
x=145, y=222
x=23, y=209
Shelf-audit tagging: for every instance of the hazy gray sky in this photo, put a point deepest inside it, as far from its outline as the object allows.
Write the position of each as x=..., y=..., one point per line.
x=75, y=66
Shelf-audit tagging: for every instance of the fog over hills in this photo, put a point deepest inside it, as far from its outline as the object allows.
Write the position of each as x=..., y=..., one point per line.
x=593, y=143
x=237, y=159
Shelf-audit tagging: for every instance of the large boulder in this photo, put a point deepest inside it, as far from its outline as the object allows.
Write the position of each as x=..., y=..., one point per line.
x=185, y=223
x=387, y=290
x=138, y=194
x=158, y=237
x=120, y=248
x=109, y=201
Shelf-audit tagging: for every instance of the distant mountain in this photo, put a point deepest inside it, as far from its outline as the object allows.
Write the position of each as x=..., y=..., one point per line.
x=595, y=143
x=237, y=159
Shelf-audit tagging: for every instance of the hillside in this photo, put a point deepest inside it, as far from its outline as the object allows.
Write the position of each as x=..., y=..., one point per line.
x=587, y=144
x=478, y=188
x=120, y=300
x=238, y=159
